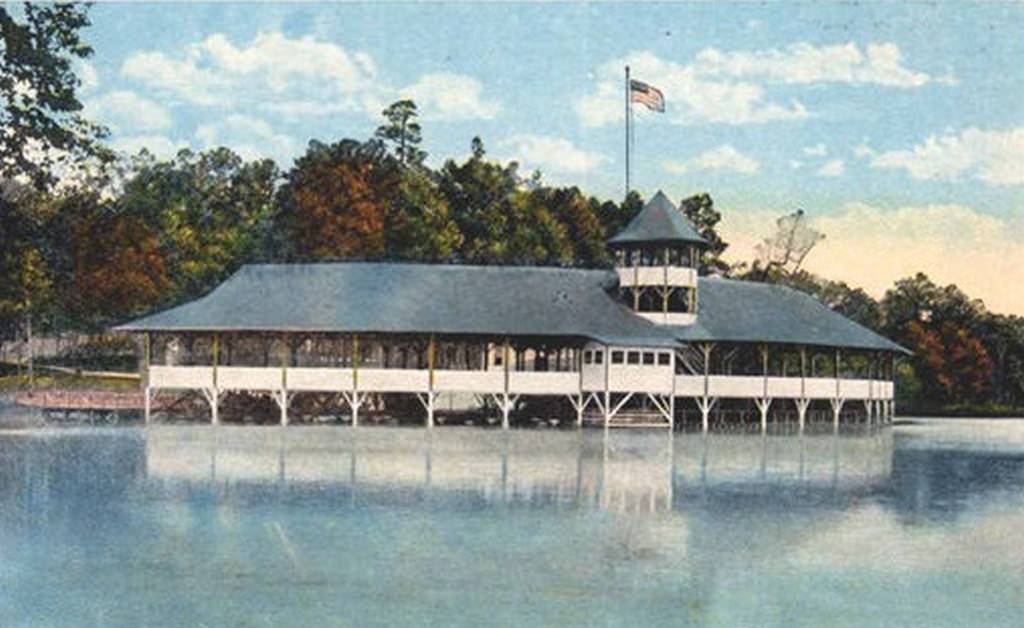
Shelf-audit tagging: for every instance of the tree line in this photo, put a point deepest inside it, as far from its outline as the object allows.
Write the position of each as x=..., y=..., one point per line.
x=88, y=238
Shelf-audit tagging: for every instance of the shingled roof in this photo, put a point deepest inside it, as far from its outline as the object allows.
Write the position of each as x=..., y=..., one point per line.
x=414, y=298
x=745, y=311
x=659, y=221
x=499, y=300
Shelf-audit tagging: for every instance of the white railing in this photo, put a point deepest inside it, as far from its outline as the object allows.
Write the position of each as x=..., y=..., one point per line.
x=621, y=378
x=393, y=380
x=657, y=276
x=543, y=383
x=820, y=387
x=640, y=378
x=469, y=381
x=181, y=377
x=735, y=386
x=787, y=388
x=249, y=378
x=753, y=386
x=319, y=379
x=690, y=385
x=855, y=388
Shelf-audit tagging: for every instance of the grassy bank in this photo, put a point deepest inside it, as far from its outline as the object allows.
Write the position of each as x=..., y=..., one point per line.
x=66, y=381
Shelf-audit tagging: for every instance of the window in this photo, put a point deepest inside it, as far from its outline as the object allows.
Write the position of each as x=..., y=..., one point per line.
x=588, y=357
x=664, y=359
x=633, y=357
x=648, y=358
x=616, y=357
x=599, y=357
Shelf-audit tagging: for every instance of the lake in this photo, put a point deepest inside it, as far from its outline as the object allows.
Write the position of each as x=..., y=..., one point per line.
x=914, y=525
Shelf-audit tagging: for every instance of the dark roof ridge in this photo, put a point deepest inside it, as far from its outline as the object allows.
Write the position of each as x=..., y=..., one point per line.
x=414, y=263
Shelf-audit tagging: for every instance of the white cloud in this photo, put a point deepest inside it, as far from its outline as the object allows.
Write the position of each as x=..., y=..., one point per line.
x=795, y=164
x=689, y=97
x=803, y=63
x=250, y=137
x=729, y=87
x=818, y=150
x=128, y=111
x=215, y=71
x=832, y=168
x=270, y=70
x=550, y=154
x=995, y=157
x=871, y=247
x=723, y=157
x=446, y=96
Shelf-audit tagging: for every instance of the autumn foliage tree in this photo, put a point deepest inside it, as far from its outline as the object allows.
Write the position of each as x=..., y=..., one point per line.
x=953, y=365
x=334, y=202
x=119, y=268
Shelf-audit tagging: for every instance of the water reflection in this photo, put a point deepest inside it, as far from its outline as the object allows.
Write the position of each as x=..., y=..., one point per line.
x=615, y=471
x=306, y=525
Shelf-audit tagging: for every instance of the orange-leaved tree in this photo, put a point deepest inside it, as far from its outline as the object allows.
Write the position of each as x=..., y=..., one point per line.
x=334, y=203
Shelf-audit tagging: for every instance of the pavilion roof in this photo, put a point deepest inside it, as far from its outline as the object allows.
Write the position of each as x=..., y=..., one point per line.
x=387, y=297
x=730, y=310
x=414, y=298
x=658, y=222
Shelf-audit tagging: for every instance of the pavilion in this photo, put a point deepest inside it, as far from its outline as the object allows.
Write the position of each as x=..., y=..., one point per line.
x=625, y=346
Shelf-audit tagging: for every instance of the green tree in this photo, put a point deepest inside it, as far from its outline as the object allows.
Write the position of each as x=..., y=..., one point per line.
x=402, y=132
x=480, y=194
x=211, y=209
x=700, y=210
x=41, y=114
x=419, y=223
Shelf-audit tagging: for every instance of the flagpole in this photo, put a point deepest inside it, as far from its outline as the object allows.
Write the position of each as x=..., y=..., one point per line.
x=628, y=116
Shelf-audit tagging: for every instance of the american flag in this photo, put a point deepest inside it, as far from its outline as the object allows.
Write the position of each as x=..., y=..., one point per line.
x=647, y=95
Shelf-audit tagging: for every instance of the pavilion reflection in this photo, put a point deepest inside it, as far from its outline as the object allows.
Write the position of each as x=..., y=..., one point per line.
x=618, y=471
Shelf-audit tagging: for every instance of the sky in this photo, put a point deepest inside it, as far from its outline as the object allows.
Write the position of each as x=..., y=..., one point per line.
x=897, y=127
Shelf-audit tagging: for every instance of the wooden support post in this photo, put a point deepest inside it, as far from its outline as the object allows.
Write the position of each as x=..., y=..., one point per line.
x=837, y=408
x=801, y=411
x=505, y=396
x=803, y=372
x=431, y=351
x=636, y=288
x=607, y=386
x=581, y=402
x=284, y=381
x=147, y=404
x=213, y=396
x=665, y=290
x=354, y=400
x=705, y=406
x=147, y=358
x=355, y=361
x=216, y=357
x=837, y=363
x=763, y=405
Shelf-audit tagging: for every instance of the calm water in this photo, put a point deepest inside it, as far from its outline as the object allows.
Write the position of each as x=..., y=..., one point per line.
x=197, y=526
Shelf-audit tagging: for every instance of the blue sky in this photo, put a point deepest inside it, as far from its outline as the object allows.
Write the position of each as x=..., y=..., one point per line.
x=898, y=127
